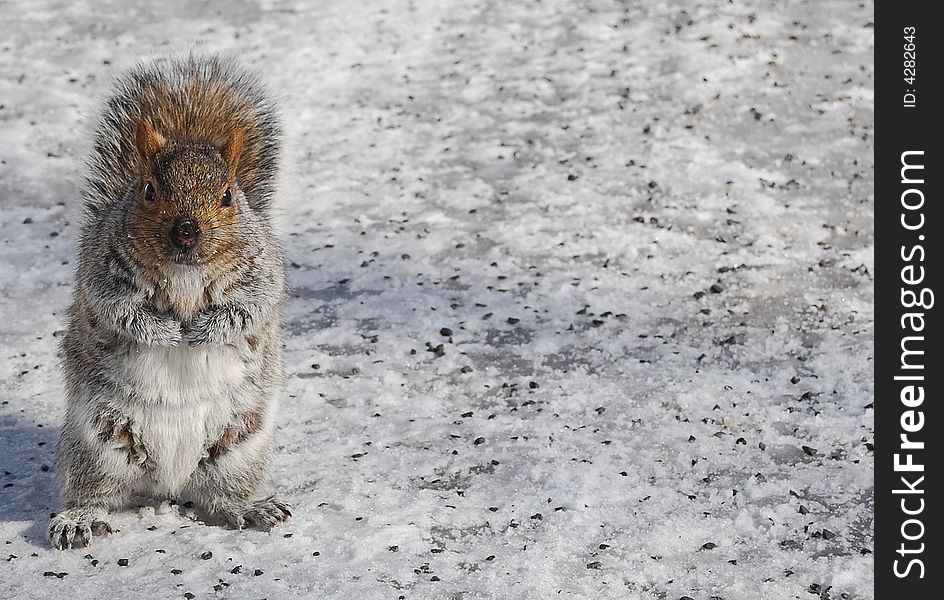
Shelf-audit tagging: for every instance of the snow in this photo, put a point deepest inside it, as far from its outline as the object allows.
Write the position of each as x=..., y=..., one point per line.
x=555, y=182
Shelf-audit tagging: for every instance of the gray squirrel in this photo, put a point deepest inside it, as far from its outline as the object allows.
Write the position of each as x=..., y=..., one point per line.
x=173, y=351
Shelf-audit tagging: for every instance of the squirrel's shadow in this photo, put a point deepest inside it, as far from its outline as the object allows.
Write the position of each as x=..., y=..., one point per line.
x=27, y=481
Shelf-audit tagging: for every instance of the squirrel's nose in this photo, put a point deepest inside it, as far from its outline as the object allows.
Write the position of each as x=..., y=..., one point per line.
x=185, y=233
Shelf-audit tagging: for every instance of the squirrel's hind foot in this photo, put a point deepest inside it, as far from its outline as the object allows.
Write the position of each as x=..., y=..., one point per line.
x=263, y=514
x=74, y=528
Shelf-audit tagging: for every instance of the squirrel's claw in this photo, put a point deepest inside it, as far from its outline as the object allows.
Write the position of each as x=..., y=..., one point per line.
x=264, y=515
x=67, y=531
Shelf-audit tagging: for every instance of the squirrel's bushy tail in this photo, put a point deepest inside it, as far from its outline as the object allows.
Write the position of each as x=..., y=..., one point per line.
x=199, y=98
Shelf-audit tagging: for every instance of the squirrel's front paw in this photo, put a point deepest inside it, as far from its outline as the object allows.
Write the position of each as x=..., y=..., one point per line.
x=264, y=515
x=217, y=326
x=170, y=334
x=200, y=331
x=75, y=528
x=160, y=331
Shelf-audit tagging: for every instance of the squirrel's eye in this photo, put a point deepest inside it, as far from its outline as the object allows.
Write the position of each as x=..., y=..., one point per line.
x=227, y=198
x=149, y=194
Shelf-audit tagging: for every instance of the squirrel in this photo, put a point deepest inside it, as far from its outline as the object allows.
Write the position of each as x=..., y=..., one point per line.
x=172, y=355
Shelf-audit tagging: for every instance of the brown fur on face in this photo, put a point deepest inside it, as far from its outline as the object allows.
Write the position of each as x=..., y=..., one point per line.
x=184, y=179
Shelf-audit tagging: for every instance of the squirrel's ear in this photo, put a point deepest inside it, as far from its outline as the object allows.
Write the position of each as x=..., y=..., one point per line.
x=232, y=149
x=148, y=141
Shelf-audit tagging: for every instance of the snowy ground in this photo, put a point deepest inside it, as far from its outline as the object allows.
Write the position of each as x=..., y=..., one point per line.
x=648, y=226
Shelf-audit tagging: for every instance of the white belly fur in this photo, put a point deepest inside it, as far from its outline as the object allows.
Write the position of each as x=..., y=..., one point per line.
x=185, y=398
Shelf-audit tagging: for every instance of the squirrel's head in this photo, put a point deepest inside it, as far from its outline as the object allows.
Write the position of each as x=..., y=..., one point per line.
x=187, y=202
